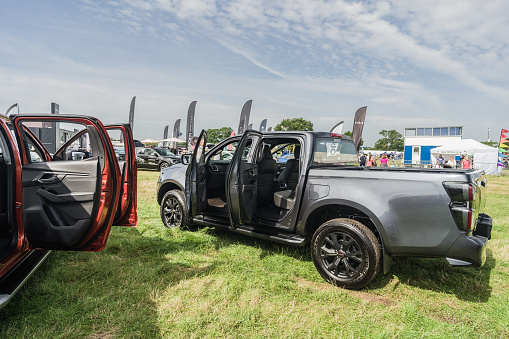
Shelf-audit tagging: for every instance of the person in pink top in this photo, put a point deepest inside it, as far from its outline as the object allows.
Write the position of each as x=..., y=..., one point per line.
x=466, y=164
x=384, y=160
x=369, y=161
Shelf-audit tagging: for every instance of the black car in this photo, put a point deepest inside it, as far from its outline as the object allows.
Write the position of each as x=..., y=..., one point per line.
x=156, y=158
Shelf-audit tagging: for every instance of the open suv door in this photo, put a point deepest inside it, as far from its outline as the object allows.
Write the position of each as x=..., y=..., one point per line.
x=242, y=180
x=70, y=199
x=196, y=180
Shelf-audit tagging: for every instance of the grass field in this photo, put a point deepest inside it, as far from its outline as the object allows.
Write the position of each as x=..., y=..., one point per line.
x=152, y=282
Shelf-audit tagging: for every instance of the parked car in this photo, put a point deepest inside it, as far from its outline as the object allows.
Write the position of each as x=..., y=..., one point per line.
x=59, y=201
x=138, y=146
x=119, y=152
x=156, y=158
x=354, y=218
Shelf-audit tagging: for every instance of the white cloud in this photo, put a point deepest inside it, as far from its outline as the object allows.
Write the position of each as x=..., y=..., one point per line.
x=434, y=35
x=421, y=60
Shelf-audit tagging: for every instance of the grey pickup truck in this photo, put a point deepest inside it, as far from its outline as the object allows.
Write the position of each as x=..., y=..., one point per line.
x=307, y=187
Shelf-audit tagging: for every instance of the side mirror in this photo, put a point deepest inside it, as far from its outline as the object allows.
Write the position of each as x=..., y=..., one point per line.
x=186, y=159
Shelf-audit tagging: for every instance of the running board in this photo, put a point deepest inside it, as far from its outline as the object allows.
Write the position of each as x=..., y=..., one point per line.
x=282, y=238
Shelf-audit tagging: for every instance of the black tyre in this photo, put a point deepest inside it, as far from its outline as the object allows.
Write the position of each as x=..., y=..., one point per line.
x=163, y=165
x=173, y=209
x=346, y=253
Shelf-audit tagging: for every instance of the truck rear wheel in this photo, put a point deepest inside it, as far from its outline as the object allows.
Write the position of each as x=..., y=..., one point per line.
x=346, y=253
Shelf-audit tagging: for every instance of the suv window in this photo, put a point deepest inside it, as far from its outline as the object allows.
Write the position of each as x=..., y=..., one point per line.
x=225, y=153
x=335, y=151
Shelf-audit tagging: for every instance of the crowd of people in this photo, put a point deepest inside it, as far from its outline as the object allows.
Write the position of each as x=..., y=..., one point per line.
x=373, y=160
x=465, y=162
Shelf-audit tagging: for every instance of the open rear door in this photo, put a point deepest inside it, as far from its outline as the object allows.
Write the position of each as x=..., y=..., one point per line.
x=69, y=202
x=196, y=179
x=242, y=180
x=126, y=214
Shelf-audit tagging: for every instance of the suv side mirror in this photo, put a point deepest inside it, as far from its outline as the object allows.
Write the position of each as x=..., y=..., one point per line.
x=186, y=159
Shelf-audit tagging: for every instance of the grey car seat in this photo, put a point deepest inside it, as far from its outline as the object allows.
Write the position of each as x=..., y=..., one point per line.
x=266, y=174
x=289, y=177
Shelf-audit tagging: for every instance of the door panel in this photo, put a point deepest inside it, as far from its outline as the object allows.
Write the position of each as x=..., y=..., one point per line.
x=69, y=201
x=217, y=174
x=59, y=195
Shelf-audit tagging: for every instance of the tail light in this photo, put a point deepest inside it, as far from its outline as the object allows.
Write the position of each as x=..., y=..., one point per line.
x=336, y=135
x=463, y=218
x=462, y=195
x=460, y=191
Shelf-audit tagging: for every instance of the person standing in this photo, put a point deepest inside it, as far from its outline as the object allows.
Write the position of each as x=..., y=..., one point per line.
x=451, y=163
x=369, y=161
x=362, y=160
x=466, y=163
x=440, y=161
x=384, y=160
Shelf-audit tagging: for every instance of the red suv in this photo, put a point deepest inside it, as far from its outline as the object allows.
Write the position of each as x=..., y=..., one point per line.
x=61, y=188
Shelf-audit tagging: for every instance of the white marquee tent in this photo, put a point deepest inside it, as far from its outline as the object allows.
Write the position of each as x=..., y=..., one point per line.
x=485, y=157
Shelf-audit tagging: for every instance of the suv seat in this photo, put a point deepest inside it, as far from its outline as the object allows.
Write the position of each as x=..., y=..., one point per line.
x=267, y=168
x=289, y=177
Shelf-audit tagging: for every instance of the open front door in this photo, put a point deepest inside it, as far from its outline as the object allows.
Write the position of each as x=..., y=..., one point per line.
x=69, y=202
x=196, y=180
x=242, y=180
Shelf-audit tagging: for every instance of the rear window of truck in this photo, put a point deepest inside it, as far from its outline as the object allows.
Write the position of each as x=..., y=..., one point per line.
x=335, y=151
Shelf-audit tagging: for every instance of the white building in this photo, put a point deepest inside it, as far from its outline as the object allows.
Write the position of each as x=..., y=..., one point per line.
x=420, y=140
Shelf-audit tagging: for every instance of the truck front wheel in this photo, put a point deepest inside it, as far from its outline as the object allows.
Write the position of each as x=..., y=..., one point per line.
x=173, y=209
x=346, y=253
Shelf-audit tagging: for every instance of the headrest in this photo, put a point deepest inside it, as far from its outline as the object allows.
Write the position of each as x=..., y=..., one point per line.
x=296, y=152
x=266, y=152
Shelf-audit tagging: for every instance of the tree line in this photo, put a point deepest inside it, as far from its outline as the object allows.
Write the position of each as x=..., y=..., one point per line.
x=390, y=141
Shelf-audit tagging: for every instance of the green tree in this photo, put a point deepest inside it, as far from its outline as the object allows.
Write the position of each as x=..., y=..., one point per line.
x=392, y=140
x=294, y=124
x=350, y=134
x=490, y=143
x=215, y=135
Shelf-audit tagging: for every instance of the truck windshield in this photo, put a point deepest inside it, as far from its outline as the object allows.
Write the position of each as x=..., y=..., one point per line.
x=335, y=151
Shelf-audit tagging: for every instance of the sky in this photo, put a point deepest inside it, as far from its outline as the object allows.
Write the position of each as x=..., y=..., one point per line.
x=412, y=63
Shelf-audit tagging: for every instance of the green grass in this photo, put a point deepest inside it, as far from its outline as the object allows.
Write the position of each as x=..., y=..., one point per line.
x=153, y=282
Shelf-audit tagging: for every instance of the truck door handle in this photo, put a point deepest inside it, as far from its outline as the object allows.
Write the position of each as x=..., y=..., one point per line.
x=49, y=178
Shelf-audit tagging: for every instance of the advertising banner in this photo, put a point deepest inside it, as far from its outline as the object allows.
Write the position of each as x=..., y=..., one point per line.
x=131, y=112
x=190, y=125
x=338, y=128
x=244, y=117
x=263, y=125
x=358, y=126
x=165, y=135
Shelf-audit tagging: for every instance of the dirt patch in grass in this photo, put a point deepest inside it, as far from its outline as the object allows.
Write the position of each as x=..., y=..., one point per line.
x=365, y=296
x=101, y=336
